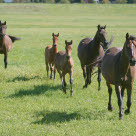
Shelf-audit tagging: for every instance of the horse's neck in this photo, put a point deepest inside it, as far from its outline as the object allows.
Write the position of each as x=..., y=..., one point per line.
x=124, y=63
x=54, y=49
x=1, y=39
x=96, y=41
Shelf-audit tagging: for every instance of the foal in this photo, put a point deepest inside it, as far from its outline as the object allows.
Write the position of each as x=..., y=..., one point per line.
x=64, y=64
x=119, y=69
x=50, y=53
x=89, y=51
x=5, y=41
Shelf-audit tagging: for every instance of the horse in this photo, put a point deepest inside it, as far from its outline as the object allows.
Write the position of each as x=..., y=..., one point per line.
x=50, y=53
x=119, y=69
x=5, y=42
x=64, y=64
x=91, y=50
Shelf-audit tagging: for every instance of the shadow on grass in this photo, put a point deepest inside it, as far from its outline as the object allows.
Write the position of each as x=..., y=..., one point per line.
x=37, y=90
x=60, y=117
x=55, y=117
x=23, y=78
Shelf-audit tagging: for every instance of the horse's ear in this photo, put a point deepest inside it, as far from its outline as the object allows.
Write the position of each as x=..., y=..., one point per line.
x=127, y=36
x=105, y=27
x=5, y=23
x=52, y=34
x=71, y=41
x=58, y=34
x=65, y=41
x=99, y=27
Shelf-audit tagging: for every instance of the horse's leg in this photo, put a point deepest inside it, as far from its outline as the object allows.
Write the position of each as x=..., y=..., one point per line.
x=118, y=92
x=99, y=78
x=84, y=72
x=63, y=83
x=87, y=77
x=71, y=81
x=51, y=69
x=122, y=92
x=47, y=68
x=110, y=108
x=5, y=59
x=54, y=72
x=129, y=92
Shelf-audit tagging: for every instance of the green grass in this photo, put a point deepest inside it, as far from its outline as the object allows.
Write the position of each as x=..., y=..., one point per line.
x=33, y=105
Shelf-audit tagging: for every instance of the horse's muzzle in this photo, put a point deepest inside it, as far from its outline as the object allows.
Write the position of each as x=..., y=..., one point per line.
x=68, y=57
x=54, y=45
x=132, y=62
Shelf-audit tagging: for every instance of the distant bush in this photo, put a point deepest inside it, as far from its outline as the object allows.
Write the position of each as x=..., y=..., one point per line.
x=121, y=1
x=82, y=1
x=105, y=1
x=49, y=1
x=64, y=1
x=1, y=1
x=91, y=1
x=134, y=1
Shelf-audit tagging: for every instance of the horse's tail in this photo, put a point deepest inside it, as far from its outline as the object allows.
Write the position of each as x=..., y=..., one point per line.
x=14, y=38
x=109, y=44
x=98, y=61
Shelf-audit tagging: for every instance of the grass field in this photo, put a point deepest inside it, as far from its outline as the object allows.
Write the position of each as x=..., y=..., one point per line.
x=33, y=105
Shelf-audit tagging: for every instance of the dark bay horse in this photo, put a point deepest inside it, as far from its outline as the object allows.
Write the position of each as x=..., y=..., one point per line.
x=90, y=50
x=5, y=41
x=119, y=69
x=64, y=64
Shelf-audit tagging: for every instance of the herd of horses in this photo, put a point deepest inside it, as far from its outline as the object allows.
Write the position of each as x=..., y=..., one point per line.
x=117, y=65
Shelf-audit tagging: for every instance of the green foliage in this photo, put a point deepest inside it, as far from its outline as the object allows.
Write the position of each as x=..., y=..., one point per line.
x=49, y=1
x=64, y=1
x=121, y=1
x=1, y=1
x=105, y=1
x=82, y=1
x=33, y=105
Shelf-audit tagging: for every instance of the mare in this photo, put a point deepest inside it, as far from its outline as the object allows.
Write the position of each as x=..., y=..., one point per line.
x=50, y=53
x=64, y=64
x=91, y=50
x=5, y=41
x=119, y=68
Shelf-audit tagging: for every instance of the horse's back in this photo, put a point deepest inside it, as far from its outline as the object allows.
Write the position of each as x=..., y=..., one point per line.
x=83, y=49
x=110, y=64
x=48, y=54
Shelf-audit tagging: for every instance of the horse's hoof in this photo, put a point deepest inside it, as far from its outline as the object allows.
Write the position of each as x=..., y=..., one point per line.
x=127, y=111
x=72, y=93
x=110, y=108
x=64, y=89
x=85, y=86
x=99, y=89
x=120, y=118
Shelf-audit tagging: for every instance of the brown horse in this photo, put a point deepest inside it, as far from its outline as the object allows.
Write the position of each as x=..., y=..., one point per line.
x=5, y=41
x=50, y=53
x=119, y=69
x=91, y=50
x=64, y=64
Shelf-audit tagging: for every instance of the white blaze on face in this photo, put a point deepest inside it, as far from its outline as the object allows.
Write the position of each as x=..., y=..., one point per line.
x=132, y=48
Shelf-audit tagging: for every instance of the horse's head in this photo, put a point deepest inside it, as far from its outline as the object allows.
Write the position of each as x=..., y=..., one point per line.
x=102, y=35
x=130, y=49
x=3, y=27
x=68, y=49
x=55, y=39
